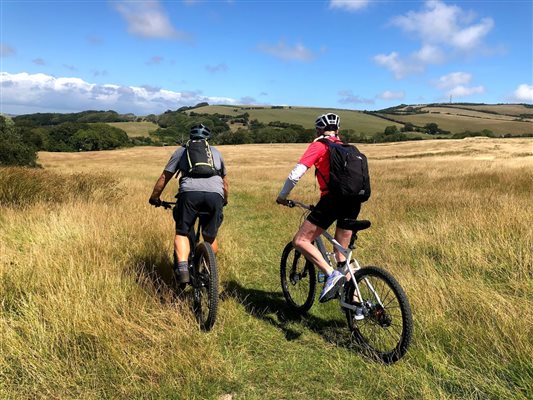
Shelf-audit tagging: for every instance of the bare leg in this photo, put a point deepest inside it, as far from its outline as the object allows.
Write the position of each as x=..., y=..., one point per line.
x=342, y=236
x=213, y=242
x=302, y=241
x=182, y=247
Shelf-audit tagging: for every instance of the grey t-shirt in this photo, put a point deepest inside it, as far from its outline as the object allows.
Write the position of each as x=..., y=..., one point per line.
x=213, y=184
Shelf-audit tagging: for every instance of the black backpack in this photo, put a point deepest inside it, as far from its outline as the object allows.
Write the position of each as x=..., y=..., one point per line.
x=348, y=171
x=199, y=159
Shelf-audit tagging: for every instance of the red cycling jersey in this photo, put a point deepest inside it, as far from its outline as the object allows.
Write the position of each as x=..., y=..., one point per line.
x=317, y=154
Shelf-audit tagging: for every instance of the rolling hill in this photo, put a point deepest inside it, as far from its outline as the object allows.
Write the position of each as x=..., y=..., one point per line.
x=502, y=119
x=304, y=116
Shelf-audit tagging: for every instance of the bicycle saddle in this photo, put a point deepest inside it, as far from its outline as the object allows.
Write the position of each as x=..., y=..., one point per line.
x=356, y=226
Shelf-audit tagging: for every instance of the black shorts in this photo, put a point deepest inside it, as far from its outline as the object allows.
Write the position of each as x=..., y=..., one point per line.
x=330, y=209
x=190, y=204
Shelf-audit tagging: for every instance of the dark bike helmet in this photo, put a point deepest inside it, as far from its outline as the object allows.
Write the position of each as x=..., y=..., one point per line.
x=328, y=122
x=200, y=131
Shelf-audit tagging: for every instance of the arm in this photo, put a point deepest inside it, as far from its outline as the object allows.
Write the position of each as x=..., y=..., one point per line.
x=165, y=177
x=295, y=175
x=225, y=180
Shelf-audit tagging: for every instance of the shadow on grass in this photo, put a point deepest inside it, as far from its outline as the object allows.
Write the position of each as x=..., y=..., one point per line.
x=154, y=272
x=272, y=308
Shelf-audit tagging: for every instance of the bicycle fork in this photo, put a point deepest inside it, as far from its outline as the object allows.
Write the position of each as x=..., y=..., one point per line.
x=356, y=285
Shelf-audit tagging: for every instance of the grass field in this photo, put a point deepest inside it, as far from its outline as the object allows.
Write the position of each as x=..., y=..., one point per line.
x=459, y=121
x=470, y=113
x=85, y=312
x=134, y=129
x=305, y=116
x=502, y=109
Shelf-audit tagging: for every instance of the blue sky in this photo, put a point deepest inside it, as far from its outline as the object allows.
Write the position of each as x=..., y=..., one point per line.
x=150, y=56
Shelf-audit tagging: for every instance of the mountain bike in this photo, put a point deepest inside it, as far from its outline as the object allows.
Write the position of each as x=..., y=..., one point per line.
x=376, y=307
x=203, y=275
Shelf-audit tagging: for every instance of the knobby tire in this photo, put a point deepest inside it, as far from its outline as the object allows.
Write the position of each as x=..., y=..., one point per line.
x=385, y=334
x=298, y=279
x=205, y=290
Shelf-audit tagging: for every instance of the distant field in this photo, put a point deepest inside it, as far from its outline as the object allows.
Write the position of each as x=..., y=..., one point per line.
x=135, y=128
x=504, y=109
x=459, y=122
x=305, y=116
x=469, y=113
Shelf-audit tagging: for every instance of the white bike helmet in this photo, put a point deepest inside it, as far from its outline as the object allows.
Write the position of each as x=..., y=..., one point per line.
x=328, y=122
x=200, y=132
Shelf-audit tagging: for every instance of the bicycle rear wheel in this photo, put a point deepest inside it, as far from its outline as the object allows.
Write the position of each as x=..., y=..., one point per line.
x=298, y=279
x=205, y=286
x=385, y=332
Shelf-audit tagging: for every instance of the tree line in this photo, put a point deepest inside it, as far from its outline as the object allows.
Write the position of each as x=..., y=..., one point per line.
x=21, y=137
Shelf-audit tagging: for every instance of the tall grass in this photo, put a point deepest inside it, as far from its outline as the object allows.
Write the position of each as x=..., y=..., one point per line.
x=23, y=186
x=87, y=309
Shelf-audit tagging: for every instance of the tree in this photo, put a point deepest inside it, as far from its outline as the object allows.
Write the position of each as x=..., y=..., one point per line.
x=391, y=130
x=432, y=128
x=408, y=127
x=13, y=150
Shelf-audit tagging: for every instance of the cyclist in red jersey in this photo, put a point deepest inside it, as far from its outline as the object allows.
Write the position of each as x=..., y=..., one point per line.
x=329, y=208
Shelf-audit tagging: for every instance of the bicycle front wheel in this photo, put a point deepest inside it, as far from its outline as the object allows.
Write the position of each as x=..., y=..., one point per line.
x=386, y=329
x=298, y=279
x=205, y=286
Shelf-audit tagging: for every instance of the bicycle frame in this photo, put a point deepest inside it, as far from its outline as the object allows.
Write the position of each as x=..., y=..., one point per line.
x=347, y=253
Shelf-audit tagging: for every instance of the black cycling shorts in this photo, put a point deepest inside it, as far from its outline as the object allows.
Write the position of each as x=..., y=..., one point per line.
x=330, y=209
x=190, y=204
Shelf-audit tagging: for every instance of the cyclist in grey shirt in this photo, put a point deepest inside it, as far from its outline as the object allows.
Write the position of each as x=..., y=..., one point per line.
x=205, y=192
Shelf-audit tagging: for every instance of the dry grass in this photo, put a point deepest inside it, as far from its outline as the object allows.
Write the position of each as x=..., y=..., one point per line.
x=85, y=311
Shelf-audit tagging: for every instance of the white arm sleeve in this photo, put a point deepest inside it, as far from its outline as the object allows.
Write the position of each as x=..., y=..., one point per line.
x=292, y=180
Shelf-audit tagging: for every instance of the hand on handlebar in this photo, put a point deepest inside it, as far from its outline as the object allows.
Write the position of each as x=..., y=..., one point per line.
x=283, y=202
x=156, y=202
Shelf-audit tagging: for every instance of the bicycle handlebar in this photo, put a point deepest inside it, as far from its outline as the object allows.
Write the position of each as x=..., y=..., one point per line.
x=167, y=204
x=295, y=203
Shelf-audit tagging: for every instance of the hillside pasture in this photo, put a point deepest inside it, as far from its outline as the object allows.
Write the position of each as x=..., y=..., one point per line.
x=304, y=116
x=458, y=121
x=471, y=113
x=87, y=309
x=502, y=109
x=136, y=129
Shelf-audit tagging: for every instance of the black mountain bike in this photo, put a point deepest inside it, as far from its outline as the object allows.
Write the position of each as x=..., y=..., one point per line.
x=376, y=307
x=203, y=276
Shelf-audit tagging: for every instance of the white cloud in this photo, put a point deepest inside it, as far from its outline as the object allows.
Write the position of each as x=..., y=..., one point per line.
x=25, y=93
x=440, y=28
x=445, y=24
x=455, y=85
x=398, y=66
x=453, y=79
x=350, y=5
x=148, y=19
x=429, y=54
x=390, y=95
x=347, y=97
x=298, y=52
x=6, y=50
x=464, y=91
x=523, y=93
